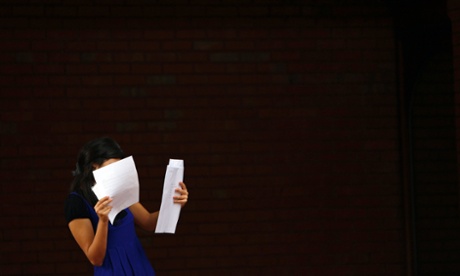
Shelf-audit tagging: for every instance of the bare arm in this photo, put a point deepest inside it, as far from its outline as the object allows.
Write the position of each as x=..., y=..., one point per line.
x=147, y=220
x=94, y=245
x=143, y=218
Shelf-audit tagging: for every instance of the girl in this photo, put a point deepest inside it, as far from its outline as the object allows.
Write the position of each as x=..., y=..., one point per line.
x=112, y=249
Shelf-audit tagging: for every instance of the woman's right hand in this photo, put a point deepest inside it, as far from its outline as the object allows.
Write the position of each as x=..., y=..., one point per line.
x=103, y=208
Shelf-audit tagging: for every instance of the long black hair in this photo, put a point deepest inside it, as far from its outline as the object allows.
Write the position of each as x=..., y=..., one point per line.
x=93, y=153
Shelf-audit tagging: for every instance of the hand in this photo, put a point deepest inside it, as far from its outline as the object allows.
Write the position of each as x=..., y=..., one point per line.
x=182, y=198
x=103, y=208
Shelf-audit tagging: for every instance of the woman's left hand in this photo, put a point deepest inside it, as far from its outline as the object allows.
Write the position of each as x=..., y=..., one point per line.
x=182, y=198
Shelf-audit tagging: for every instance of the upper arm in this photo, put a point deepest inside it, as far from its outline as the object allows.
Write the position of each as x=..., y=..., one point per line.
x=83, y=232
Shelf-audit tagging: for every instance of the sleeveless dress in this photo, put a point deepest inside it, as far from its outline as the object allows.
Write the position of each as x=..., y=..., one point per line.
x=124, y=255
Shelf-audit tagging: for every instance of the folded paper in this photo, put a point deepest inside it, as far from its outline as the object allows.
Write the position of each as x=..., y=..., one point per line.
x=170, y=211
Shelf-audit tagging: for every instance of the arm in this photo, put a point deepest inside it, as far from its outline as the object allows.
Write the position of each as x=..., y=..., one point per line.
x=143, y=218
x=147, y=220
x=94, y=245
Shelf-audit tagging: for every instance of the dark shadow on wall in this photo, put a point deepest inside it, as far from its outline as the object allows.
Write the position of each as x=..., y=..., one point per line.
x=424, y=37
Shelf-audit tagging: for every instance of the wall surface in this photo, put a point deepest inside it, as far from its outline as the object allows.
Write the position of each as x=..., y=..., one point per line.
x=454, y=9
x=286, y=113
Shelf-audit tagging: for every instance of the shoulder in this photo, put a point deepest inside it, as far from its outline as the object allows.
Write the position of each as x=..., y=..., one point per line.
x=75, y=207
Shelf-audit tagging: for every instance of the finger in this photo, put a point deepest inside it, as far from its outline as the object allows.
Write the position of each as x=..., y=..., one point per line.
x=103, y=203
x=104, y=200
x=180, y=198
x=181, y=192
x=180, y=201
x=102, y=208
x=107, y=210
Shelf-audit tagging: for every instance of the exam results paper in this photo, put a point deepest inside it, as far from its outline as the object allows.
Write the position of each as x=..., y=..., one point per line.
x=170, y=211
x=120, y=181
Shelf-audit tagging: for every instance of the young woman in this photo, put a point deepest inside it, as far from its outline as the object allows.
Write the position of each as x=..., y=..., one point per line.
x=112, y=249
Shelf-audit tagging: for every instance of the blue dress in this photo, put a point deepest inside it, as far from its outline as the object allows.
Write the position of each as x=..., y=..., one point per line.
x=124, y=255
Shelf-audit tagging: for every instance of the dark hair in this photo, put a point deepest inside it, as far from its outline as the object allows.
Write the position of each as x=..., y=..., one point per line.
x=94, y=152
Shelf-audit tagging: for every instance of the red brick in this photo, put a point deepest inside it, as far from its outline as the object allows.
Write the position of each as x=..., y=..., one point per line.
x=42, y=268
x=114, y=68
x=158, y=34
x=80, y=69
x=11, y=269
x=112, y=46
x=26, y=34
x=190, y=34
x=19, y=22
x=178, y=68
x=63, y=57
x=193, y=57
x=97, y=80
x=210, y=68
x=24, y=10
x=81, y=46
x=148, y=69
x=144, y=45
x=61, y=34
x=130, y=80
x=64, y=80
x=177, y=45
x=93, y=11
x=208, y=45
x=49, y=69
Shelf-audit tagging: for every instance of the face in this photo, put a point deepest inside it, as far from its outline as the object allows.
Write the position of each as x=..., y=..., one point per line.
x=106, y=162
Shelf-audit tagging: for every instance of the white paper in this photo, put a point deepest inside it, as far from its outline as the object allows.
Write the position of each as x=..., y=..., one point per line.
x=120, y=181
x=170, y=211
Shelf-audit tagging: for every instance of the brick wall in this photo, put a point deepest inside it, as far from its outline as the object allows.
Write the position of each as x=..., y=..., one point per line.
x=285, y=112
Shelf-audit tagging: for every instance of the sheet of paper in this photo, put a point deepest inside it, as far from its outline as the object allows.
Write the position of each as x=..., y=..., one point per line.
x=170, y=211
x=120, y=181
